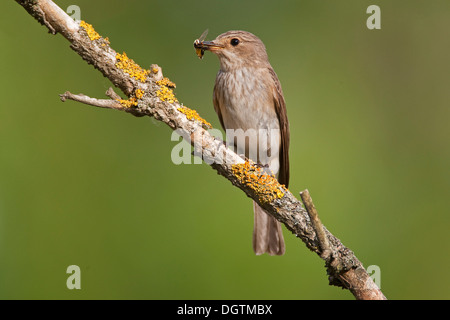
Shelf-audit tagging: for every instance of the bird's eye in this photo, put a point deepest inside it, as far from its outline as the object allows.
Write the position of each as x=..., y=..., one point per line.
x=234, y=42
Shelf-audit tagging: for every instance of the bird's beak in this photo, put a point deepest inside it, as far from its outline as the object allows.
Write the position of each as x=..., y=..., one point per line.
x=201, y=46
x=208, y=45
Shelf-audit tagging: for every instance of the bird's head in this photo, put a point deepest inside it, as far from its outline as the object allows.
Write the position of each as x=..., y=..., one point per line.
x=236, y=49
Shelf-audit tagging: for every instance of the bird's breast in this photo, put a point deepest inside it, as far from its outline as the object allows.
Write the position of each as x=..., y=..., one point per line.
x=245, y=100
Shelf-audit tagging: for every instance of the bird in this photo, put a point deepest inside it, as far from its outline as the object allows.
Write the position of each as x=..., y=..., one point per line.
x=250, y=105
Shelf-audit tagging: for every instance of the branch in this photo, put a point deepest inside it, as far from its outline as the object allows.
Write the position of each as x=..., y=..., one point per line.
x=150, y=94
x=101, y=103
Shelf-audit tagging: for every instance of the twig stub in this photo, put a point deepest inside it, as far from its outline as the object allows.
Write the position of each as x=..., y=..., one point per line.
x=317, y=224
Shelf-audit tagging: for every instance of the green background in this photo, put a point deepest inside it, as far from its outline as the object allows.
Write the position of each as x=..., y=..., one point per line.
x=369, y=116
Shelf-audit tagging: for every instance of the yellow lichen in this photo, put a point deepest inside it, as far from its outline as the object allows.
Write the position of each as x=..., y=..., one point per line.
x=105, y=42
x=166, y=94
x=166, y=82
x=92, y=34
x=265, y=186
x=133, y=100
x=139, y=93
x=132, y=68
x=193, y=115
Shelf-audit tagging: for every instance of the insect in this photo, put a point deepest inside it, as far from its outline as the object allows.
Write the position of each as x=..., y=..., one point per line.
x=198, y=44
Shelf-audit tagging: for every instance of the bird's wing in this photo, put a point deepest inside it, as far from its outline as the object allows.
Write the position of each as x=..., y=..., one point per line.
x=216, y=103
x=280, y=109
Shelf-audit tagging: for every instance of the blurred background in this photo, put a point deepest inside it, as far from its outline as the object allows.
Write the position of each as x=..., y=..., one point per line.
x=369, y=118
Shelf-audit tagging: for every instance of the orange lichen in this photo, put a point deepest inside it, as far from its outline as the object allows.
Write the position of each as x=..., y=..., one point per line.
x=92, y=34
x=193, y=115
x=266, y=186
x=132, y=68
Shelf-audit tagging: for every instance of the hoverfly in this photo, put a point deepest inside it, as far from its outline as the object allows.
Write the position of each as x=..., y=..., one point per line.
x=198, y=44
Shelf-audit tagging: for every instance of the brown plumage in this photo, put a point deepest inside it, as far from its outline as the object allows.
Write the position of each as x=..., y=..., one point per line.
x=249, y=102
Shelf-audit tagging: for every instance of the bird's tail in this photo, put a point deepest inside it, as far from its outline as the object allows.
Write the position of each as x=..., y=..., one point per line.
x=267, y=234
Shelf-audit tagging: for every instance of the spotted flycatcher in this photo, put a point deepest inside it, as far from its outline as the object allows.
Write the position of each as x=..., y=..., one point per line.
x=249, y=102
